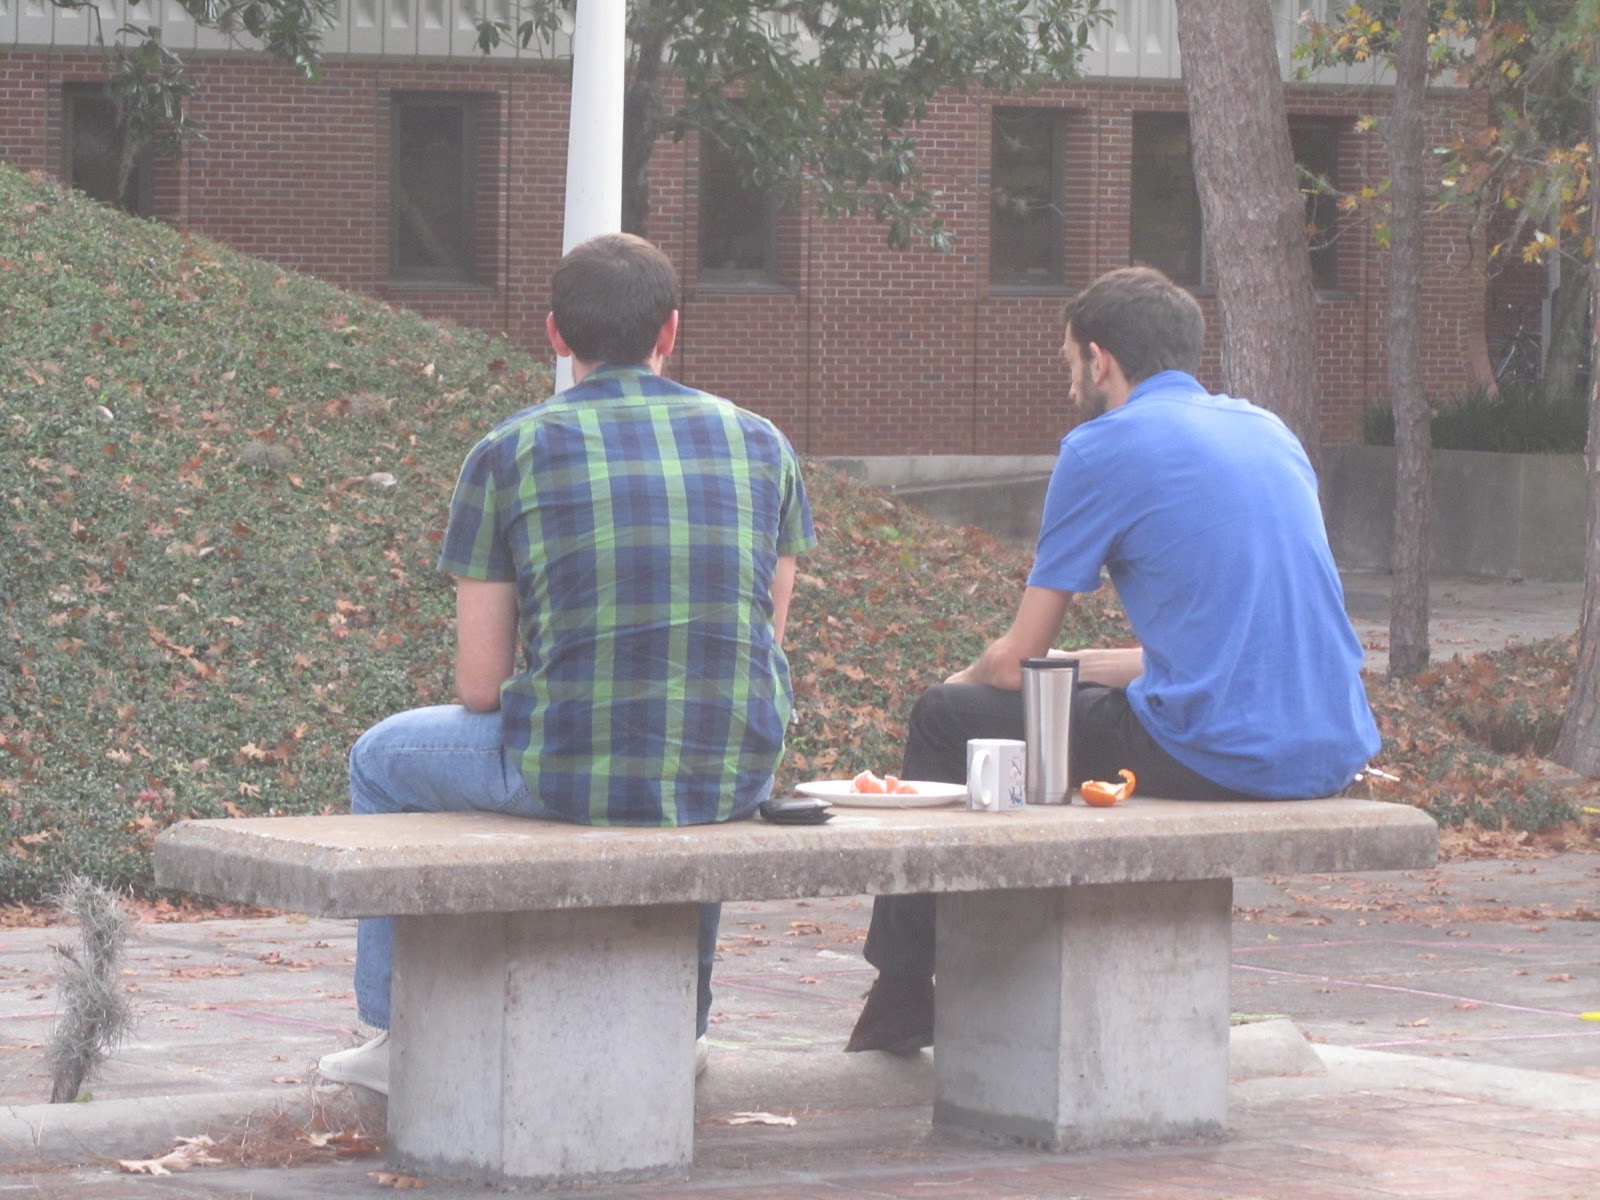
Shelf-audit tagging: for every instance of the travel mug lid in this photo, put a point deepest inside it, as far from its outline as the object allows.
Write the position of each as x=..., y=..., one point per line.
x=1054, y=662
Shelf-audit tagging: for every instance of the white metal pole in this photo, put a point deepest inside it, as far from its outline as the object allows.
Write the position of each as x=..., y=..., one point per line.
x=594, y=130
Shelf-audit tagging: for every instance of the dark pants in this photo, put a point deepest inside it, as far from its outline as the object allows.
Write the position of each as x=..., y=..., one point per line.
x=1106, y=737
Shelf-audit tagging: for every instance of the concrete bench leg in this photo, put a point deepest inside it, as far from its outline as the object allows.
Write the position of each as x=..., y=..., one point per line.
x=1085, y=1016
x=544, y=1045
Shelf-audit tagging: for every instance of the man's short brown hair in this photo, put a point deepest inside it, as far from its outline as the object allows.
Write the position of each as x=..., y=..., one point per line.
x=611, y=295
x=1142, y=319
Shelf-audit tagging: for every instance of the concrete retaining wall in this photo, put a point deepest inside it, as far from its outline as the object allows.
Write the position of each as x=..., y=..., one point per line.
x=1496, y=516
x=1001, y=493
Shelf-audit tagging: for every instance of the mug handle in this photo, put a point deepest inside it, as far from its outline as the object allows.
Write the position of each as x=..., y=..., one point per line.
x=988, y=799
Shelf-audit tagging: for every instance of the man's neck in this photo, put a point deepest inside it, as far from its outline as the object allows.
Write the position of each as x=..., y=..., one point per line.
x=582, y=369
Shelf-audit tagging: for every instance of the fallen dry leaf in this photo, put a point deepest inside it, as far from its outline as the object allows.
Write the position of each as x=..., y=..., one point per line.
x=1564, y=977
x=188, y=1153
x=756, y=1118
x=400, y=1183
x=283, y=1141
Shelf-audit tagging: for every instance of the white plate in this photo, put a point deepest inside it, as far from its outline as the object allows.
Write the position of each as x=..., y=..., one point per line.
x=927, y=795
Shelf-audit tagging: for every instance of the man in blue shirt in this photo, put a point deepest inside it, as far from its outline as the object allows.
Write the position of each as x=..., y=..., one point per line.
x=1203, y=509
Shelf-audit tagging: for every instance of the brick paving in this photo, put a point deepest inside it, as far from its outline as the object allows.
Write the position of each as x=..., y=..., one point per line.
x=1473, y=972
x=1320, y=1145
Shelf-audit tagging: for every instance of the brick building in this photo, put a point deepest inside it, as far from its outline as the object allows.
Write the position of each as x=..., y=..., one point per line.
x=421, y=172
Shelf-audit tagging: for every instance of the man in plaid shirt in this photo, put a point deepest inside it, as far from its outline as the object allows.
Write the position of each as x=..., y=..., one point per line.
x=624, y=554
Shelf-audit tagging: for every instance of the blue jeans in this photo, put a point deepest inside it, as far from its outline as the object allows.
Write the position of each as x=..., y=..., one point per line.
x=447, y=759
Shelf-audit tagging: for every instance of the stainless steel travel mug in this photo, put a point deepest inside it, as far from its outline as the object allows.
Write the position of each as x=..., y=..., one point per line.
x=1047, y=687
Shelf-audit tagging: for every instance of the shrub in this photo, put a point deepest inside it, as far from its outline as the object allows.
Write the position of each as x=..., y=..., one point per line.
x=1520, y=419
x=225, y=484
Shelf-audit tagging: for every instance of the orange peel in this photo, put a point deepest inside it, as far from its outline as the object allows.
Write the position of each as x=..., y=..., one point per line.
x=1103, y=795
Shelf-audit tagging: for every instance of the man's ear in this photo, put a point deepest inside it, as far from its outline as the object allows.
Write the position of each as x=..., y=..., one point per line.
x=1098, y=362
x=1108, y=374
x=668, y=337
x=557, y=342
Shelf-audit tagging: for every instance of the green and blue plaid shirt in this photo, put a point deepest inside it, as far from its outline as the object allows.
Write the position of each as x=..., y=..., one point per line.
x=642, y=523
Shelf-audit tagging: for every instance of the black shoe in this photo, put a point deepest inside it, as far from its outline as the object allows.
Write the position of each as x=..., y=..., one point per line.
x=897, y=1017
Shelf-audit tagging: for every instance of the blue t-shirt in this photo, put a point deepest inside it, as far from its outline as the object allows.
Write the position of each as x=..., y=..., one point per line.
x=1204, y=511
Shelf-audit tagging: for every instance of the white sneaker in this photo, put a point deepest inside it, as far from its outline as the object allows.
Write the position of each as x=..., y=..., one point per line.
x=702, y=1055
x=366, y=1065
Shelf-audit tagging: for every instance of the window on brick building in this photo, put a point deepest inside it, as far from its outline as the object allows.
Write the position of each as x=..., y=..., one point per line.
x=1316, y=153
x=431, y=175
x=1166, y=227
x=1026, y=229
x=738, y=221
x=93, y=145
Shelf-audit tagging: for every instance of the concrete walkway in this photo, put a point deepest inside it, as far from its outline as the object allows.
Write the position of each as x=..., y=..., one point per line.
x=1467, y=616
x=1425, y=1036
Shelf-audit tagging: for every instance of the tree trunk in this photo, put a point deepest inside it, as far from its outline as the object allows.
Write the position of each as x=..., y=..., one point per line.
x=1255, y=216
x=1413, y=435
x=1578, y=746
x=1569, y=330
x=641, y=124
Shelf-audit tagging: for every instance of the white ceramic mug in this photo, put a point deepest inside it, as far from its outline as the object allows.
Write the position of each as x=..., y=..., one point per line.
x=997, y=779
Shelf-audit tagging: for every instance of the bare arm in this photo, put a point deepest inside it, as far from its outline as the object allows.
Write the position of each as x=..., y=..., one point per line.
x=1036, y=624
x=1114, y=668
x=486, y=641
x=782, y=590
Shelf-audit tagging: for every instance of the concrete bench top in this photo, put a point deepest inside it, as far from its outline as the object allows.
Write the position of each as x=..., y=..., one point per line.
x=456, y=863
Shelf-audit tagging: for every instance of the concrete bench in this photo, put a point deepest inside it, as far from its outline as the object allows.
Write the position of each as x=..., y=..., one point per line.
x=545, y=973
